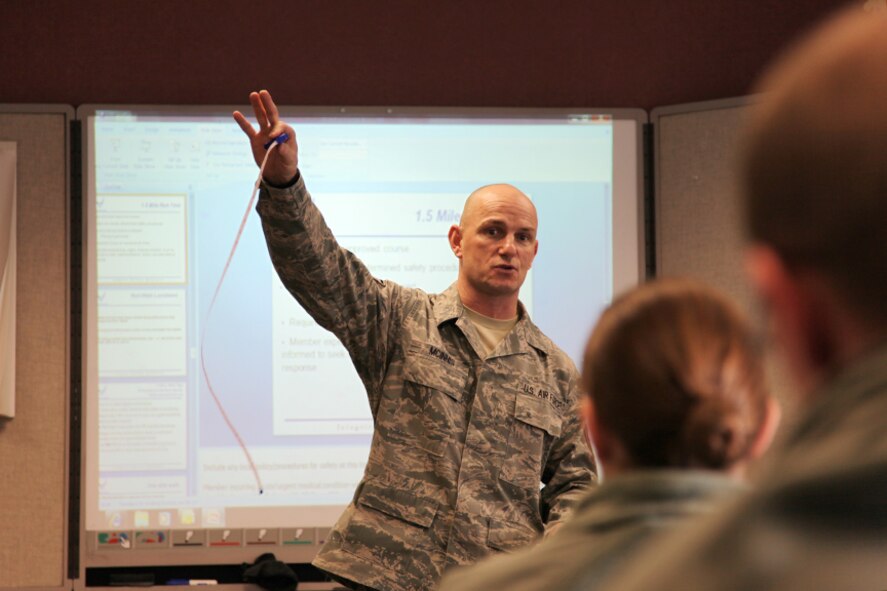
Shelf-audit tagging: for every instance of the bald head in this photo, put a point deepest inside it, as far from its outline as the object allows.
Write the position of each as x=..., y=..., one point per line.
x=816, y=160
x=483, y=198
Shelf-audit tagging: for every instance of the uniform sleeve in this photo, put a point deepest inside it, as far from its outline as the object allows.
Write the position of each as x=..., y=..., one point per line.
x=329, y=282
x=570, y=470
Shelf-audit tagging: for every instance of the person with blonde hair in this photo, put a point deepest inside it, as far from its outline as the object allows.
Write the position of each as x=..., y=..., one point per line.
x=677, y=408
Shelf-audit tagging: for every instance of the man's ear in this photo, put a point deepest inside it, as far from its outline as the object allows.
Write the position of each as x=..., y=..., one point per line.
x=799, y=320
x=762, y=441
x=455, y=237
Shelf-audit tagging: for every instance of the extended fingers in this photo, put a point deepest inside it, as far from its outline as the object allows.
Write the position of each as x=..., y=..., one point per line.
x=244, y=124
x=269, y=108
x=266, y=113
x=259, y=109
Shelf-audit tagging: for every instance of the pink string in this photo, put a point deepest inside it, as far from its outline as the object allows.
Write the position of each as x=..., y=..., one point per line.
x=212, y=304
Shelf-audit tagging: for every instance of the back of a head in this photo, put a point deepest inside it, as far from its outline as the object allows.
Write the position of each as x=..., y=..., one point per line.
x=815, y=162
x=674, y=374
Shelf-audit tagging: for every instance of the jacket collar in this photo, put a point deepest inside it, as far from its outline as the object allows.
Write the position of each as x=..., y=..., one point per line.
x=646, y=495
x=525, y=336
x=837, y=429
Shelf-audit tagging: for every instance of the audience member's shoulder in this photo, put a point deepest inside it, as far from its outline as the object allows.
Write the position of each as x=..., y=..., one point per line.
x=703, y=554
x=538, y=566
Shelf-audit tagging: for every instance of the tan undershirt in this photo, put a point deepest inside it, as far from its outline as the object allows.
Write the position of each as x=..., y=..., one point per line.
x=490, y=330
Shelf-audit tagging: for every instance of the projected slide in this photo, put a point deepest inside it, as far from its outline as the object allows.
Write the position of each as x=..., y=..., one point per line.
x=206, y=415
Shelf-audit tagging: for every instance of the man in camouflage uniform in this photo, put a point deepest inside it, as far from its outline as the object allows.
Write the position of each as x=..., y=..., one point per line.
x=815, y=171
x=473, y=406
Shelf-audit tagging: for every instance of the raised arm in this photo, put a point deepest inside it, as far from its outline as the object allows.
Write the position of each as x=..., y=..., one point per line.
x=328, y=281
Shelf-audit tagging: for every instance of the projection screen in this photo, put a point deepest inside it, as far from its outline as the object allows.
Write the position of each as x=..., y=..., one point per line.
x=190, y=412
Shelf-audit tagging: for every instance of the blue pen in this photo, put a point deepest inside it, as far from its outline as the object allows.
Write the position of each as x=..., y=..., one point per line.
x=279, y=139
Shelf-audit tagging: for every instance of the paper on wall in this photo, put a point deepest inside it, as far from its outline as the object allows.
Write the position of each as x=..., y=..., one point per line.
x=7, y=277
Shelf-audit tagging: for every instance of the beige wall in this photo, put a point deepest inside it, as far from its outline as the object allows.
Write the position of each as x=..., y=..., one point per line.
x=698, y=216
x=33, y=445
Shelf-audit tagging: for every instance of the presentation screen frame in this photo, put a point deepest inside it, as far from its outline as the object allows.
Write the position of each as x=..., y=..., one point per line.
x=628, y=266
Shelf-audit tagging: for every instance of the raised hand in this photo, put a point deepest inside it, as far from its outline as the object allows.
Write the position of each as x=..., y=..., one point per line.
x=283, y=164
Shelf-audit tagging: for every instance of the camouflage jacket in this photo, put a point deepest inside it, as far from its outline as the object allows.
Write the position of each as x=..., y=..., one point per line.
x=606, y=529
x=460, y=444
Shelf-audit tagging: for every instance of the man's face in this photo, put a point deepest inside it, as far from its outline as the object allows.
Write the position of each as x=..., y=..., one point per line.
x=496, y=241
